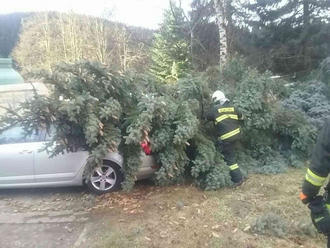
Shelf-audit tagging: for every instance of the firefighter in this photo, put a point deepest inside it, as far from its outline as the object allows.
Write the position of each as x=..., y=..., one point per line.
x=315, y=177
x=226, y=120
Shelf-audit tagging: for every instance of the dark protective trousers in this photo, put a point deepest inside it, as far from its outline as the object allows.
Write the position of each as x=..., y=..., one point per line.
x=228, y=151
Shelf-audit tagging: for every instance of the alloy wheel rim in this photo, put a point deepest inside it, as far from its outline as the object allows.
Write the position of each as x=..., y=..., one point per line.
x=103, y=178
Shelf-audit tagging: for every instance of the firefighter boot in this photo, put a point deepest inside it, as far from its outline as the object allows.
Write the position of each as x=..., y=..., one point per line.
x=236, y=176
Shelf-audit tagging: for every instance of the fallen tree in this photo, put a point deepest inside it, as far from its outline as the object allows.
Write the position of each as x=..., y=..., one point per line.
x=101, y=110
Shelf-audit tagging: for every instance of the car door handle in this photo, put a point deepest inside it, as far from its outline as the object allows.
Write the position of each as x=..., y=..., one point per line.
x=25, y=151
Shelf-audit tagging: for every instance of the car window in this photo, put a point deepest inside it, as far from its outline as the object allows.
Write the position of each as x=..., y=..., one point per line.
x=16, y=135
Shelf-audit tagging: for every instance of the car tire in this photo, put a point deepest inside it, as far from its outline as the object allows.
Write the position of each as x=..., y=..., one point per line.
x=106, y=178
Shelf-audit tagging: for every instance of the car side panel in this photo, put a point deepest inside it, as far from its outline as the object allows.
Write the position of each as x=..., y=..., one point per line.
x=61, y=168
x=147, y=168
x=16, y=163
x=115, y=157
x=42, y=184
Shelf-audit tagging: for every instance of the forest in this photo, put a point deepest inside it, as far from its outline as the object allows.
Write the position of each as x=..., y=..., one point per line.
x=122, y=85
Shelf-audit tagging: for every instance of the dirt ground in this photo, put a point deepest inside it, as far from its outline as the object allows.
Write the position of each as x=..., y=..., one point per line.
x=43, y=217
x=150, y=216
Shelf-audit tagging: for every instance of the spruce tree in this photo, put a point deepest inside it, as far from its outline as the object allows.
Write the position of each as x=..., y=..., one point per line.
x=292, y=12
x=170, y=52
x=294, y=34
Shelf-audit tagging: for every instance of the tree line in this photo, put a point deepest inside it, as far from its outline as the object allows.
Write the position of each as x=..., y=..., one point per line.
x=283, y=36
x=48, y=38
x=289, y=37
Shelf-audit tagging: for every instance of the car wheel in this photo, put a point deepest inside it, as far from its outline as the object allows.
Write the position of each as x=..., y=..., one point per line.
x=105, y=178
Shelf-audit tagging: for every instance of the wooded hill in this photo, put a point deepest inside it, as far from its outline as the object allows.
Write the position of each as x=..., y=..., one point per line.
x=41, y=40
x=10, y=26
x=286, y=37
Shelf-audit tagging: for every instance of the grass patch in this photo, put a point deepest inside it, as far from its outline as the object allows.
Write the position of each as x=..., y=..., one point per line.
x=121, y=239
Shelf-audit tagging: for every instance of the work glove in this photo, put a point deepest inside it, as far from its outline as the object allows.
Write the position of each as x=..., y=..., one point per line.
x=320, y=215
x=305, y=198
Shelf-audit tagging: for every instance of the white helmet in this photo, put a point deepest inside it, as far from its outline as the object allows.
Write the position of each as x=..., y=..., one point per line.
x=219, y=96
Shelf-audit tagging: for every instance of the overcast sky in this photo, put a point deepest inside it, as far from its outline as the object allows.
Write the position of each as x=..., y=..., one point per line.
x=145, y=13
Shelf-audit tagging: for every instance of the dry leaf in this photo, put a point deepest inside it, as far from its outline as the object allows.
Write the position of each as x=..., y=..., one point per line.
x=247, y=228
x=215, y=235
x=215, y=227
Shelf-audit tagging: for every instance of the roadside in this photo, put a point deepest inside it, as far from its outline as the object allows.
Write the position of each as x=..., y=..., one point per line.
x=43, y=217
x=151, y=216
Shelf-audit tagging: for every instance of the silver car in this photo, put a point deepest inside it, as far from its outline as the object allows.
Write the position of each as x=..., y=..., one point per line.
x=23, y=164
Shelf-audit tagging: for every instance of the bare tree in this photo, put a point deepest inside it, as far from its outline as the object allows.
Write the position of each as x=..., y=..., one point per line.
x=220, y=10
x=101, y=40
x=48, y=38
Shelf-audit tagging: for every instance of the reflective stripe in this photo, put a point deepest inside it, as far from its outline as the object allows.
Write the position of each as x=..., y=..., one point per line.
x=319, y=219
x=225, y=110
x=233, y=167
x=225, y=116
x=314, y=179
x=230, y=134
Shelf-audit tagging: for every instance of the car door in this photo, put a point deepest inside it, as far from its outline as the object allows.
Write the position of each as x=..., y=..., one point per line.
x=59, y=169
x=16, y=158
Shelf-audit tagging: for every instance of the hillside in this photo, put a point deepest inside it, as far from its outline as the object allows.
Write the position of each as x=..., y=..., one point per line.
x=10, y=26
x=41, y=39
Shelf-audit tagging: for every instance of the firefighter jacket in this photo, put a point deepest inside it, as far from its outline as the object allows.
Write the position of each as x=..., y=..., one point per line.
x=226, y=119
x=320, y=165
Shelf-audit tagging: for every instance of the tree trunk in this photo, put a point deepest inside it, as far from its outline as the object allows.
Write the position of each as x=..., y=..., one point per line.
x=306, y=13
x=63, y=36
x=306, y=19
x=219, y=6
x=192, y=38
x=47, y=38
x=229, y=10
x=100, y=40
